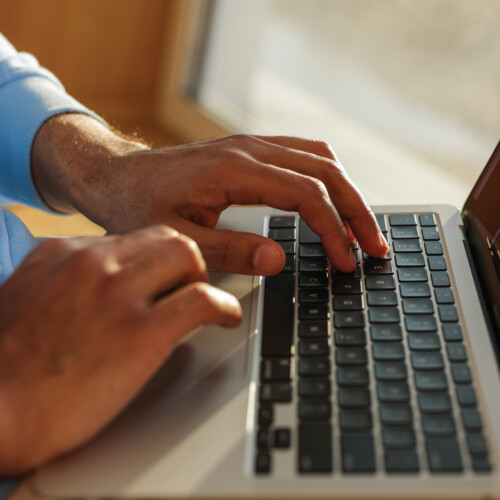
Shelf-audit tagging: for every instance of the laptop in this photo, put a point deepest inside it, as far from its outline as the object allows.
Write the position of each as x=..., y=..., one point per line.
x=381, y=383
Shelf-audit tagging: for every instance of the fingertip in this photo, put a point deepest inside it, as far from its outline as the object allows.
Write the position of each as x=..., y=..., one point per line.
x=268, y=259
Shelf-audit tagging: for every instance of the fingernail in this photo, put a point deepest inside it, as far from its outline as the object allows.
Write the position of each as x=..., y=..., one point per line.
x=267, y=260
x=383, y=241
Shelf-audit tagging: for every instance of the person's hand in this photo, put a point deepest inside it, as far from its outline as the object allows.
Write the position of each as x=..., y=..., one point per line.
x=123, y=185
x=85, y=323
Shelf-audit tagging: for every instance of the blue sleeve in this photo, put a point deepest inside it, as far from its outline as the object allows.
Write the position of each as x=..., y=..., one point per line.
x=29, y=95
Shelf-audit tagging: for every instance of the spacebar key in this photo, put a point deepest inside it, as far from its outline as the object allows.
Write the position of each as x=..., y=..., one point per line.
x=277, y=325
x=315, y=447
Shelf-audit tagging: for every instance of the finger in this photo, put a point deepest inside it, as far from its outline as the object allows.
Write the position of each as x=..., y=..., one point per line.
x=134, y=244
x=292, y=191
x=164, y=264
x=237, y=252
x=317, y=159
x=194, y=305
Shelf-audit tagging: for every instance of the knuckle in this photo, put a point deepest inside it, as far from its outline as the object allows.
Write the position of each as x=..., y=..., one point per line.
x=163, y=232
x=54, y=246
x=200, y=295
x=317, y=186
x=189, y=251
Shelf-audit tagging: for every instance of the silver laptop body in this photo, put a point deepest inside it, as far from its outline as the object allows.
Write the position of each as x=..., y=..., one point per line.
x=194, y=431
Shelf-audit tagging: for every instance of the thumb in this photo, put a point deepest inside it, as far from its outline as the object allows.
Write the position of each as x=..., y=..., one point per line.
x=237, y=252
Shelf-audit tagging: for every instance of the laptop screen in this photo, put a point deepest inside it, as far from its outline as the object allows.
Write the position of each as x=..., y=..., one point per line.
x=481, y=214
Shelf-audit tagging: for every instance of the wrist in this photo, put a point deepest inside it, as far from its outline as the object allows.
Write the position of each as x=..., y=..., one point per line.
x=74, y=162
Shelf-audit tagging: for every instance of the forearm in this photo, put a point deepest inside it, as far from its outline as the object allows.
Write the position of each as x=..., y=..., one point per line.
x=73, y=159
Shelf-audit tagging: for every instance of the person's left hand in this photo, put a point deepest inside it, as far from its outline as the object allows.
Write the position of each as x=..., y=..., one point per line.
x=123, y=185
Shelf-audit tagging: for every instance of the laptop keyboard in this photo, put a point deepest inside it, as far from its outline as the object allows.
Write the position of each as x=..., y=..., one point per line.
x=373, y=362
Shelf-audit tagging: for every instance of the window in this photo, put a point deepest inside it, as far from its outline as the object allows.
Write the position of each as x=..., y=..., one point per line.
x=406, y=92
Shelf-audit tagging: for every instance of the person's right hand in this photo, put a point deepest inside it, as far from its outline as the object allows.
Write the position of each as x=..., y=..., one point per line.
x=85, y=324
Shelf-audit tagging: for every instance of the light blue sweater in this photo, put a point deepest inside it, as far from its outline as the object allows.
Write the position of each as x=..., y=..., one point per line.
x=29, y=95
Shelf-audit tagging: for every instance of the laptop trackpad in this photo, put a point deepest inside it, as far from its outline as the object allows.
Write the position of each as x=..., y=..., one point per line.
x=213, y=351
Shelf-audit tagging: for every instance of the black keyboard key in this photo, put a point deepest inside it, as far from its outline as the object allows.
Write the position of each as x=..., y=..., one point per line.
x=404, y=232
x=431, y=381
x=289, y=266
x=452, y=333
x=390, y=371
x=433, y=248
x=481, y=466
x=342, y=286
x=306, y=235
x=383, y=315
x=471, y=419
x=418, y=306
x=398, y=438
x=466, y=395
x=315, y=447
x=277, y=325
x=412, y=274
x=440, y=278
x=382, y=298
x=355, y=421
x=337, y=274
x=348, y=319
x=421, y=323
x=430, y=233
x=395, y=414
x=313, y=280
x=312, y=250
x=436, y=263
x=477, y=445
x=315, y=410
x=313, y=296
x=309, y=348
x=263, y=439
x=405, y=246
x=443, y=455
x=313, y=265
x=358, y=453
x=350, y=337
x=377, y=266
x=386, y=333
x=275, y=369
x=402, y=220
x=314, y=311
x=314, y=388
x=265, y=416
x=434, y=402
x=393, y=392
x=448, y=313
x=263, y=463
x=427, y=219
x=424, y=342
x=456, y=352
x=354, y=397
x=461, y=373
x=414, y=290
x=275, y=392
x=312, y=329
x=282, y=221
x=288, y=247
x=352, y=376
x=402, y=462
x=348, y=303
x=351, y=356
x=281, y=438
x=427, y=360
x=380, y=282
x=314, y=367
x=438, y=426
x=285, y=234
x=444, y=296
x=410, y=260
x=388, y=351
x=381, y=222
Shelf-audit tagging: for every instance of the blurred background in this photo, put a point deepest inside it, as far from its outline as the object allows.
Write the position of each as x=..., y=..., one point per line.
x=406, y=92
